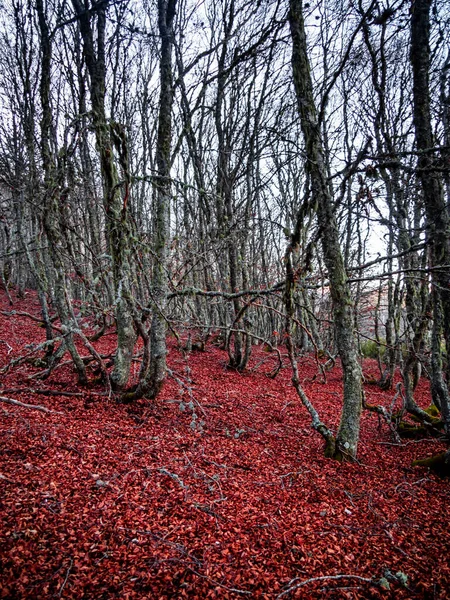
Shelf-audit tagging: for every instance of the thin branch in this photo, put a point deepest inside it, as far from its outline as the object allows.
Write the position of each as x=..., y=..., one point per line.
x=31, y=406
x=43, y=392
x=20, y=313
x=34, y=350
x=398, y=271
x=66, y=578
x=341, y=67
x=413, y=248
x=3, y=478
x=192, y=291
x=325, y=578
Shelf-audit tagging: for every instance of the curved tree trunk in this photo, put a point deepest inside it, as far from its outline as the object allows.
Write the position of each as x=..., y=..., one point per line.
x=348, y=433
x=52, y=181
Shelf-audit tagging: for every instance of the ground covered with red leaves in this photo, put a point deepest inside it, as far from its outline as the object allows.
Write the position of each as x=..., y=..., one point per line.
x=218, y=489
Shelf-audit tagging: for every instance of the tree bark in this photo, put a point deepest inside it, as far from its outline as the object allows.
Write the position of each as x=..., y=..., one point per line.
x=437, y=216
x=153, y=379
x=348, y=433
x=52, y=190
x=114, y=200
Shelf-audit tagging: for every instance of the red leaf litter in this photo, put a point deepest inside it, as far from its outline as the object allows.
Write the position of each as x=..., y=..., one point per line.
x=147, y=501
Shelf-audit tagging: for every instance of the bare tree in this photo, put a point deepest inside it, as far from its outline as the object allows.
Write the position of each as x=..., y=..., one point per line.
x=111, y=138
x=437, y=216
x=153, y=369
x=321, y=200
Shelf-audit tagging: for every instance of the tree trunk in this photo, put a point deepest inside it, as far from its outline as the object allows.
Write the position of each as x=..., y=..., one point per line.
x=114, y=200
x=153, y=379
x=348, y=433
x=437, y=216
x=52, y=190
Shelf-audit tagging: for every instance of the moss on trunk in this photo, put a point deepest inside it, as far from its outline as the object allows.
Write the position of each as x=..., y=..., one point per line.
x=439, y=463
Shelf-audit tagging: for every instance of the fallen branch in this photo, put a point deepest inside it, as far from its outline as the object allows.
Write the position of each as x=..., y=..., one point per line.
x=387, y=416
x=221, y=585
x=325, y=578
x=43, y=392
x=20, y=313
x=31, y=406
x=6, y=344
x=424, y=440
x=34, y=350
x=65, y=579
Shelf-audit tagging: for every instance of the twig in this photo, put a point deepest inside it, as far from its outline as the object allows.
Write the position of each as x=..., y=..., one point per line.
x=403, y=444
x=324, y=578
x=43, y=392
x=66, y=578
x=32, y=406
x=174, y=476
x=215, y=582
x=34, y=349
x=9, y=347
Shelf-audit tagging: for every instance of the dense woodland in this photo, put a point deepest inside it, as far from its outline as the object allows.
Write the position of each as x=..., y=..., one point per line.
x=253, y=172
x=261, y=184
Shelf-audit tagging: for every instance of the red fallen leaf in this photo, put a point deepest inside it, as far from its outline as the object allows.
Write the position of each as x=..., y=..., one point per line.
x=257, y=521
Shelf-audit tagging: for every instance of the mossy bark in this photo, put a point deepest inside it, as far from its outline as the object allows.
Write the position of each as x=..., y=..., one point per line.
x=115, y=194
x=348, y=432
x=439, y=463
x=410, y=431
x=53, y=184
x=154, y=374
x=437, y=214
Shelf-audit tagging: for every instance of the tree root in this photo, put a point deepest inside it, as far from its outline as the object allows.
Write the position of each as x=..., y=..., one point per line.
x=410, y=431
x=439, y=463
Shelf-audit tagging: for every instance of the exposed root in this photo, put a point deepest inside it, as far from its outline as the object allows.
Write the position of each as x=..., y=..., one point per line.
x=439, y=463
x=408, y=430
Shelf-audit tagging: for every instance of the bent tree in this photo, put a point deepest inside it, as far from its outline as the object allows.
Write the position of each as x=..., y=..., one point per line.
x=322, y=202
x=54, y=200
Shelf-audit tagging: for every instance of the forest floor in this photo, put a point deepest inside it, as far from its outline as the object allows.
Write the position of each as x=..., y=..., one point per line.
x=102, y=500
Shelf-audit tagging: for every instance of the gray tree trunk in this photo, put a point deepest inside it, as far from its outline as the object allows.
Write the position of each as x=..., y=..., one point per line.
x=437, y=216
x=52, y=190
x=114, y=200
x=153, y=379
x=348, y=433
